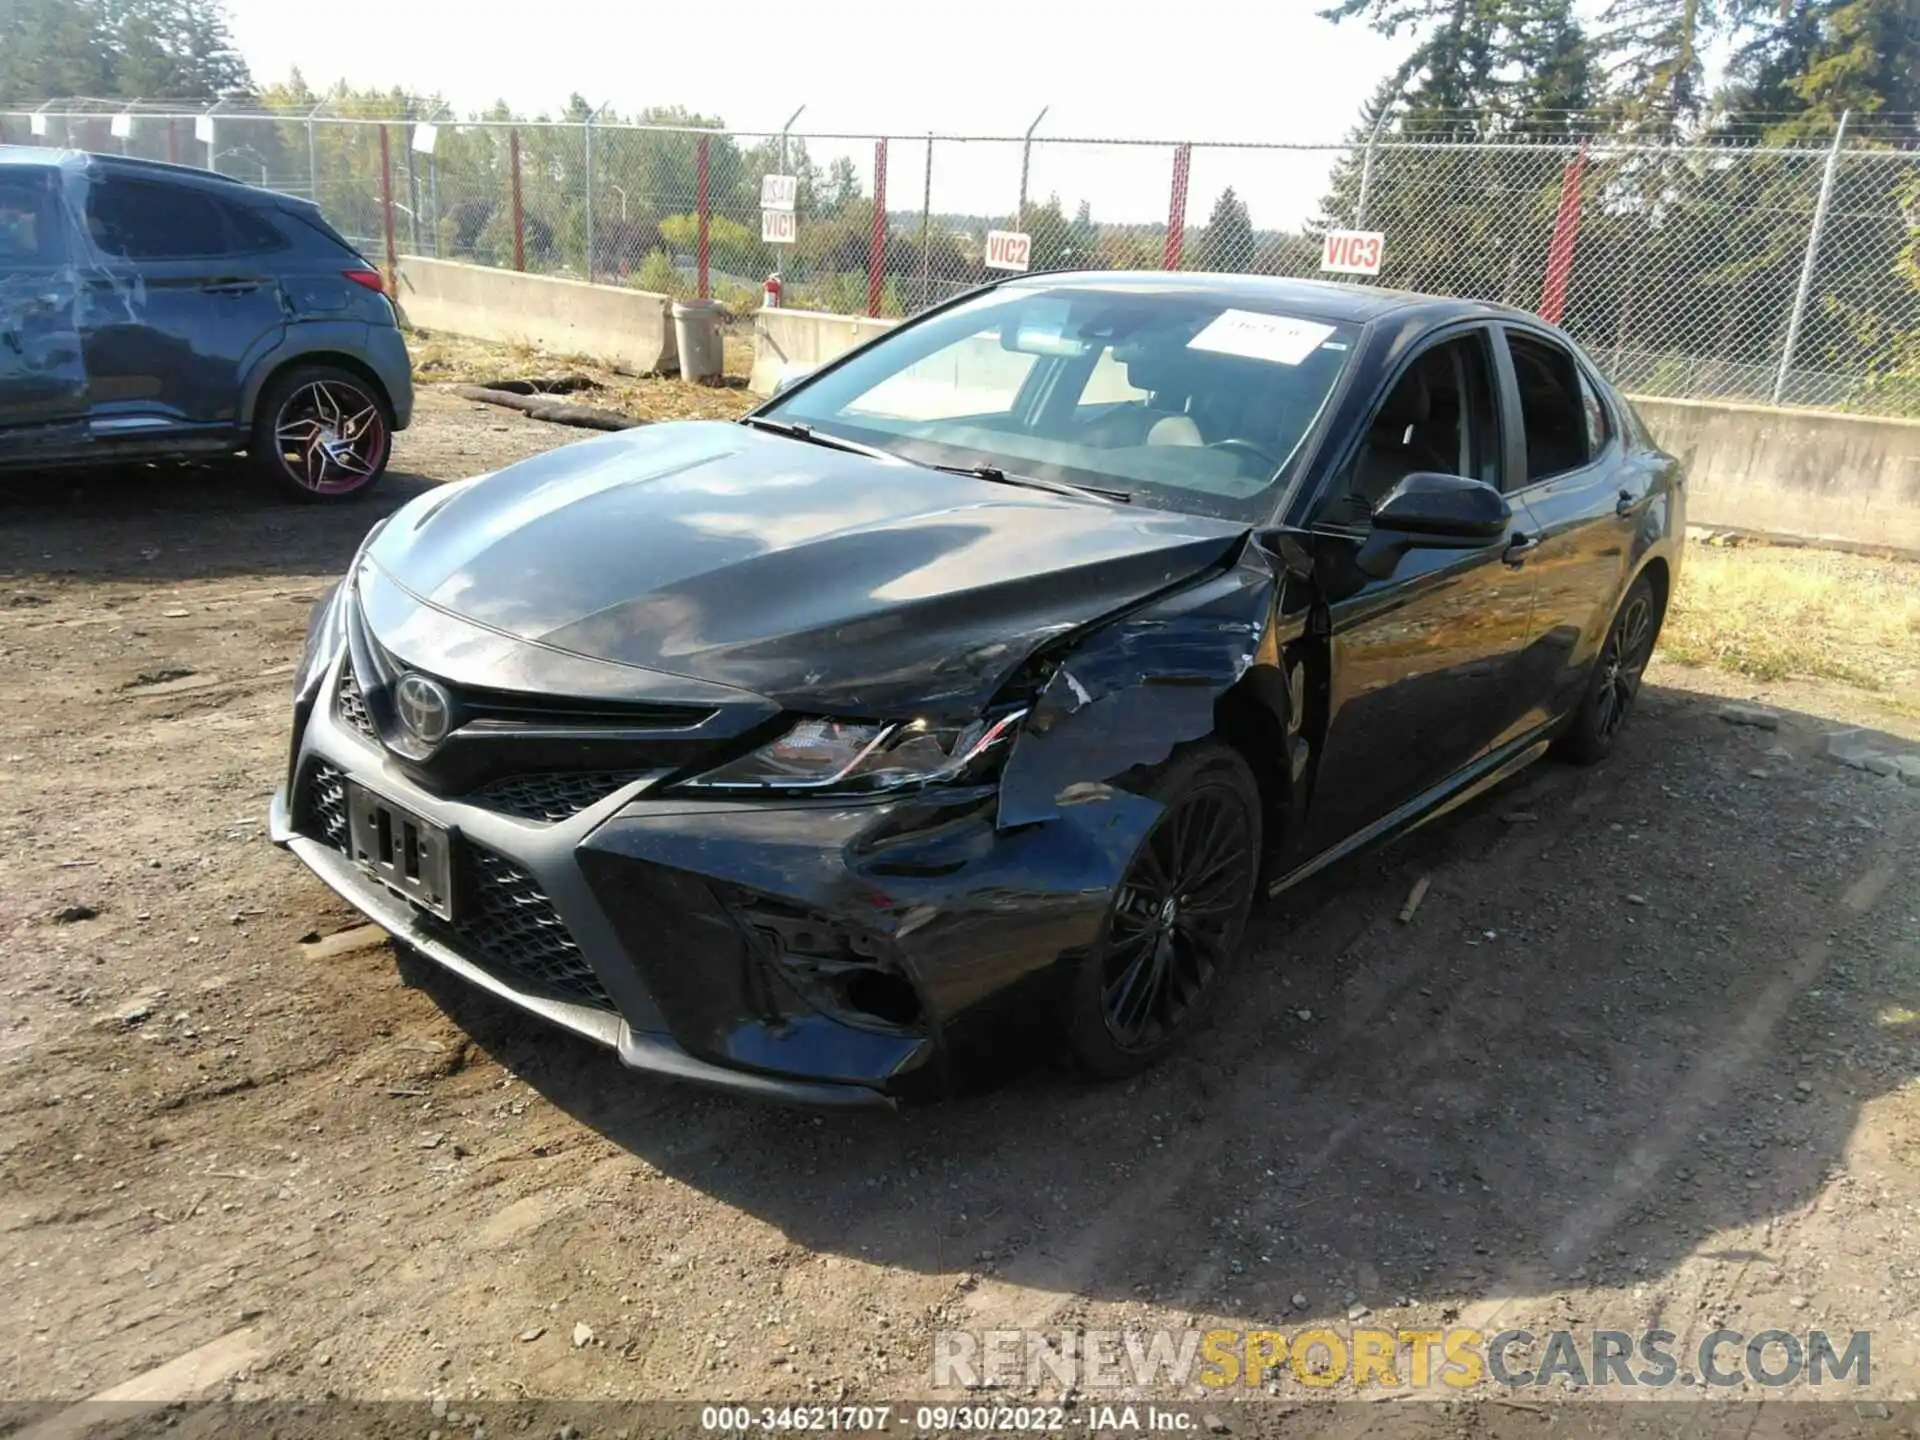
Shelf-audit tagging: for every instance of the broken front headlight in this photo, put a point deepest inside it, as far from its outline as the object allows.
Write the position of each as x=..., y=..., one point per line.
x=821, y=756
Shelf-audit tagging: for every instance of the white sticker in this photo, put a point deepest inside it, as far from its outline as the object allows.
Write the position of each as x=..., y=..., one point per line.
x=37, y=123
x=203, y=129
x=1248, y=333
x=122, y=127
x=425, y=137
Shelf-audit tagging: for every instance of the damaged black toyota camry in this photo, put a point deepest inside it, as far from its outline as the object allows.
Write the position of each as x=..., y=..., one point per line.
x=957, y=705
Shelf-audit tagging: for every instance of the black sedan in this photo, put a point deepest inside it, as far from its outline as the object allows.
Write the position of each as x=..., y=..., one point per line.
x=959, y=703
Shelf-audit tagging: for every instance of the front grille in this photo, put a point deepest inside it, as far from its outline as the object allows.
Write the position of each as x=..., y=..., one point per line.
x=326, y=806
x=510, y=921
x=551, y=798
x=351, y=706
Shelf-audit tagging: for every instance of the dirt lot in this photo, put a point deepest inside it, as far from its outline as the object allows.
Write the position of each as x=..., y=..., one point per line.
x=1646, y=1055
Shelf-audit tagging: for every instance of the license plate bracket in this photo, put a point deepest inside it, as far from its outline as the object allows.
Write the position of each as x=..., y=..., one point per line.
x=410, y=855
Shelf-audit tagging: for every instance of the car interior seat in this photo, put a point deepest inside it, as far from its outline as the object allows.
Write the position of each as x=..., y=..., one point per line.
x=1405, y=437
x=1161, y=419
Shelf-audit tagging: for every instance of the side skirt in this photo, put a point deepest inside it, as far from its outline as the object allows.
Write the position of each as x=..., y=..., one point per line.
x=1450, y=794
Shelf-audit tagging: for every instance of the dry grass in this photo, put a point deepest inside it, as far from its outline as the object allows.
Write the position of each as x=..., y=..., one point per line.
x=453, y=359
x=1775, y=613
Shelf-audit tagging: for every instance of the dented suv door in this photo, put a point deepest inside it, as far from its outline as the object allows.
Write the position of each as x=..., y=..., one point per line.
x=43, y=380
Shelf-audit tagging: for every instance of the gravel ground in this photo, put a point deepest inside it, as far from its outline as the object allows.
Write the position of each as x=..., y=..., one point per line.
x=1645, y=1055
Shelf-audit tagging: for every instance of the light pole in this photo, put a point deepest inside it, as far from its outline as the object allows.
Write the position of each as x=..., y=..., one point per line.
x=783, y=138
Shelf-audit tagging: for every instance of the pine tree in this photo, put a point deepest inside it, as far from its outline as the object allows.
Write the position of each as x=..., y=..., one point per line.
x=174, y=49
x=1228, y=243
x=52, y=49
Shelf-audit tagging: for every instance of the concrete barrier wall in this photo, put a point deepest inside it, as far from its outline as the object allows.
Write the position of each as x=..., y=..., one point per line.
x=787, y=342
x=631, y=330
x=1809, y=473
x=1794, y=472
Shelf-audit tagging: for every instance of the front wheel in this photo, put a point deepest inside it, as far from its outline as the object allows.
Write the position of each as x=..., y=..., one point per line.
x=321, y=434
x=1615, y=680
x=1176, y=919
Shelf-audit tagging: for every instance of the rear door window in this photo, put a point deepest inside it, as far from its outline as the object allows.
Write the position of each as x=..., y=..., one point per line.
x=253, y=233
x=140, y=220
x=30, y=236
x=1553, y=407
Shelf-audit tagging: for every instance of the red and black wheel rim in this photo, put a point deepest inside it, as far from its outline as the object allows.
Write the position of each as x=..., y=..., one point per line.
x=331, y=437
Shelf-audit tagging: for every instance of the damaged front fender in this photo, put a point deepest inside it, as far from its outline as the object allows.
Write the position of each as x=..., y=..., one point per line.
x=1126, y=694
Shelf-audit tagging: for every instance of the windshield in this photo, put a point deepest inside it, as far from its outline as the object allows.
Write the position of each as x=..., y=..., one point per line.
x=1186, y=401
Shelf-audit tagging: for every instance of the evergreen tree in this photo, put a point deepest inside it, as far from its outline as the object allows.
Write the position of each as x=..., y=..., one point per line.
x=1228, y=243
x=174, y=49
x=53, y=48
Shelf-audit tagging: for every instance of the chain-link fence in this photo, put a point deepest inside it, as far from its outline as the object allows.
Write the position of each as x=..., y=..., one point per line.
x=1726, y=271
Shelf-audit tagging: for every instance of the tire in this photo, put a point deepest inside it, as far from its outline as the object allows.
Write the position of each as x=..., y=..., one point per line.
x=1615, y=678
x=1204, y=850
x=321, y=434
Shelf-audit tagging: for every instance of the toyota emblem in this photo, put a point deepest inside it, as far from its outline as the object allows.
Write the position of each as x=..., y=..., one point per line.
x=426, y=710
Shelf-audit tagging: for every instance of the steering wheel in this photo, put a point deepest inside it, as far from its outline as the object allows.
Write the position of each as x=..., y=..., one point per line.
x=1247, y=447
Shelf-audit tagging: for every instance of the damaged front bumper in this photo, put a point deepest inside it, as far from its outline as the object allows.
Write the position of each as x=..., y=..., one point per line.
x=825, y=953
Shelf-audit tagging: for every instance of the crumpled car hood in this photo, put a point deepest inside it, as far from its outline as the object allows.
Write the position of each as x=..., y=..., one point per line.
x=816, y=578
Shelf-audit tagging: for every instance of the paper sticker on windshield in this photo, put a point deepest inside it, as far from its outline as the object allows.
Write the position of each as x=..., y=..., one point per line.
x=1255, y=336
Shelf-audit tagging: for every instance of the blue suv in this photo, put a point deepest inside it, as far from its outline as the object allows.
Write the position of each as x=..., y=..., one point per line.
x=152, y=311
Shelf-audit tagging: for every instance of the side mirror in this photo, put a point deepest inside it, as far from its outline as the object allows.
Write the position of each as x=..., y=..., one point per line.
x=1431, y=511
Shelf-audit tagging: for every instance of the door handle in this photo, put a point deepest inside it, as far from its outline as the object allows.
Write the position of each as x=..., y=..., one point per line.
x=1626, y=504
x=1518, y=548
x=231, y=287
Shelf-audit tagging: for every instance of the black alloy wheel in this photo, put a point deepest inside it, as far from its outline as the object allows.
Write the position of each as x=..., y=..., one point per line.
x=322, y=434
x=1177, y=916
x=1617, y=673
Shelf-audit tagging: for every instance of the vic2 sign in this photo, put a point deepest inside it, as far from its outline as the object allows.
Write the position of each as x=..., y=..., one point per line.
x=1008, y=250
x=1352, y=252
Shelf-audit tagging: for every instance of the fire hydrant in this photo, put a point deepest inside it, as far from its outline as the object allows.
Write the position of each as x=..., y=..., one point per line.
x=770, y=294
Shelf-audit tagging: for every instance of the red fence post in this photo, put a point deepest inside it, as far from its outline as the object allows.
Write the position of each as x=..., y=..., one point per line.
x=877, y=242
x=1177, y=208
x=386, y=207
x=519, y=213
x=173, y=142
x=1566, y=231
x=700, y=205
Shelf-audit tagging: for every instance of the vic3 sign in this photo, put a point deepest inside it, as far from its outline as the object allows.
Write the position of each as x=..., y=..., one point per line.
x=1008, y=250
x=1352, y=252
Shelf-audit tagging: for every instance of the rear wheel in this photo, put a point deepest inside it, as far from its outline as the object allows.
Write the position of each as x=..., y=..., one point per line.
x=1616, y=677
x=322, y=434
x=1176, y=919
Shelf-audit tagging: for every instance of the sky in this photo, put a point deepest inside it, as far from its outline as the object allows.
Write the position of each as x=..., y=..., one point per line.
x=1266, y=70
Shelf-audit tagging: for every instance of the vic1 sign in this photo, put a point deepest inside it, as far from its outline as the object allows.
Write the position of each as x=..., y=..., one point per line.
x=777, y=227
x=1352, y=252
x=1008, y=250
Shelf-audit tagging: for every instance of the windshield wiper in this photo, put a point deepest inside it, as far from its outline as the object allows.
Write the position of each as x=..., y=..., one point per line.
x=795, y=431
x=812, y=436
x=1033, y=482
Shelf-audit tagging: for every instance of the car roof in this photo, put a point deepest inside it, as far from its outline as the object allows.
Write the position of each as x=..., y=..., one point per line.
x=1315, y=299
x=47, y=157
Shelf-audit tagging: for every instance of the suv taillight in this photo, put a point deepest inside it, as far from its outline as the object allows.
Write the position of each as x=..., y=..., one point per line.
x=369, y=278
